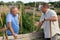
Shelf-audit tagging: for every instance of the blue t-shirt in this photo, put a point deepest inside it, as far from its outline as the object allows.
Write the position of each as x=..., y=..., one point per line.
x=14, y=23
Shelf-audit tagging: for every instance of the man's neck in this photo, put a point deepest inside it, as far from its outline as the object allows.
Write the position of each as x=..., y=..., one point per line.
x=45, y=11
x=13, y=14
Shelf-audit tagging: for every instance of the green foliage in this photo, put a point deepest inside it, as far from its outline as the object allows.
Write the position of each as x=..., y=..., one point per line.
x=27, y=22
x=1, y=3
x=1, y=34
x=3, y=15
x=3, y=19
x=58, y=13
x=32, y=4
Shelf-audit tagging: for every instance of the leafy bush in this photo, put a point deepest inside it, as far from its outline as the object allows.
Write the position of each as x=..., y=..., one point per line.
x=58, y=13
x=27, y=22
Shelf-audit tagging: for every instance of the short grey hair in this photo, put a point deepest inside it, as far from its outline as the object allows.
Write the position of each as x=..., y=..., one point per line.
x=12, y=7
x=45, y=4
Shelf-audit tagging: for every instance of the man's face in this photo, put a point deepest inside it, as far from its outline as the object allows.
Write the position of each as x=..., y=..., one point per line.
x=15, y=11
x=43, y=9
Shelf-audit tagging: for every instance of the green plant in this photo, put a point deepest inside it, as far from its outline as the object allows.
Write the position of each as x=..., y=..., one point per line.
x=58, y=13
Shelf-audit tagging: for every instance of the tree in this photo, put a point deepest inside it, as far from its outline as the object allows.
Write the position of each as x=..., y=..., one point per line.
x=1, y=3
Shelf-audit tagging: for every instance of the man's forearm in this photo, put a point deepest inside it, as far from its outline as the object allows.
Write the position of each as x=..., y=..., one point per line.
x=38, y=28
x=40, y=24
x=51, y=19
x=10, y=28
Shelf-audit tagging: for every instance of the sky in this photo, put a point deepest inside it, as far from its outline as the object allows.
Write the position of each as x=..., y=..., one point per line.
x=27, y=1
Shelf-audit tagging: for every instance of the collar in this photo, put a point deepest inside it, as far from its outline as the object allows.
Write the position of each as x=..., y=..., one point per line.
x=12, y=14
x=47, y=11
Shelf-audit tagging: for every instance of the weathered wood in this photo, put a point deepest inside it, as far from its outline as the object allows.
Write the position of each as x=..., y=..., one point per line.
x=29, y=36
x=40, y=35
x=21, y=37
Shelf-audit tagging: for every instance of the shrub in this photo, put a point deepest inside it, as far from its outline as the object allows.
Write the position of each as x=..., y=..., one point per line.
x=58, y=13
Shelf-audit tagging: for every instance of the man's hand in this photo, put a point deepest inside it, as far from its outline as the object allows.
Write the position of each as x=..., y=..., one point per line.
x=33, y=32
x=47, y=19
x=15, y=36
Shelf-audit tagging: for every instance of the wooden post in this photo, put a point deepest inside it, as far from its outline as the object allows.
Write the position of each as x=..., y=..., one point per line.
x=21, y=16
x=50, y=31
x=34, y=14
x=1, y=19
x=6, y=33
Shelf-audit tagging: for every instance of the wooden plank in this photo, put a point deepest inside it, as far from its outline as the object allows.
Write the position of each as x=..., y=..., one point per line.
x=21, y=37
x=29, y=36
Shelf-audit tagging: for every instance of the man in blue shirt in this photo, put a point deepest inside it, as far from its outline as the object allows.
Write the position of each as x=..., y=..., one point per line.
x=12, y=22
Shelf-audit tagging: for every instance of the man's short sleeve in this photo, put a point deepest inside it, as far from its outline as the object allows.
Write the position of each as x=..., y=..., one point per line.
x=53, y=13
x=8, y=18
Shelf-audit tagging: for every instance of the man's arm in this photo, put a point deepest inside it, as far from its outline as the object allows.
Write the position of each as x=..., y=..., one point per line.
x=53, y=18
x=10, y=28
x=39, y=25
x=12, y=31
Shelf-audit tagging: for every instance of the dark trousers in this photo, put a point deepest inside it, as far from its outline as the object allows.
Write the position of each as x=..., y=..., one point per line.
x=47, y=39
